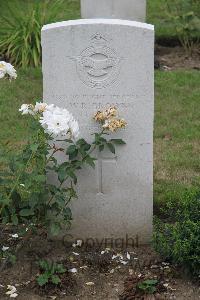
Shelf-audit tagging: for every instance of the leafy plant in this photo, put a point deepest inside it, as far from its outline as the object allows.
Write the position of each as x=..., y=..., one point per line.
x=20, y=32
x=26, y=196
x=8, y=257
x=50, y=271
x=186, y=19
x=179, y=241
x=148, y=286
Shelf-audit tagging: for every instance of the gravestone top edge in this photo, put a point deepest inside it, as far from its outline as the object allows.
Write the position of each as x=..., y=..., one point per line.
x=98, y=21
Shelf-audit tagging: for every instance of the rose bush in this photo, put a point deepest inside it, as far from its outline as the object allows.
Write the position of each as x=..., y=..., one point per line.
x=26, y=195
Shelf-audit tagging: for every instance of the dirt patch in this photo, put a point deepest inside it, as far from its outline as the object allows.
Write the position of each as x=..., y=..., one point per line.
x=172, y=58
x=97, y=273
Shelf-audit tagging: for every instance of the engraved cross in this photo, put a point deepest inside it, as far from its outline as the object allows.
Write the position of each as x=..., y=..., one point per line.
x=101, y=161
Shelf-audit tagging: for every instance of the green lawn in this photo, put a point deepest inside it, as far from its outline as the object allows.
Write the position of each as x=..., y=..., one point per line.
x=177, y=134
x=156, y=13
x=177, y=126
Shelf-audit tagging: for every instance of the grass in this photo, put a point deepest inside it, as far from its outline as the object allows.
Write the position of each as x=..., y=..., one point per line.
x=25, y=89
x=177, y=126
x=177, y=134
x=156, y=13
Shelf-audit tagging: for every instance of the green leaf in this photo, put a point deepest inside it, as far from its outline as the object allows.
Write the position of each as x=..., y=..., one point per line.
x=42, y=279
x=60, y=268
x=55, y=229
x=14, y=219
x=67, y=214
x=4, y=200
x=90, y=161
x=34, y=147
x=72, y=175
x=118, y=141
x=111, y=147
x=55, y=279
x=62, y=175
x=44, y=265
x=26, y=212
x=12, y=258
x=150, y=281
x=72, y=151
x=40, y=178
x=101, y=148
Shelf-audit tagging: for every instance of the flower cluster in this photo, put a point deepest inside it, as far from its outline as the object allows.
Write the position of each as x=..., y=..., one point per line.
x=56, y=121
x=7, y=69
x=59, y=122
x=114, y=124
x=101, y=116
x=109, y=119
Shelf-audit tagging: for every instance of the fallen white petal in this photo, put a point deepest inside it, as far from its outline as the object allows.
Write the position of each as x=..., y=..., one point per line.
x=4, y=248
x=128, y=256
x=114, y=256
x=12, y=289
x=15, y=236
x=79, y=243
x=123, y=262
x=84, y=267
x=73, y=270
x=90, y=283
x=75, y=253
x=154, y=266
x=112, y=271
x=165, y=264
x=14, y=295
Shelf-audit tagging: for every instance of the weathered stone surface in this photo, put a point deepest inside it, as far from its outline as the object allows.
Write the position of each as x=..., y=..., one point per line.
x=114, y=9
x=115, y=200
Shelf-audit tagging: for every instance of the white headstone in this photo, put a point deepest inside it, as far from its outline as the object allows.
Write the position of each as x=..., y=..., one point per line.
x=115, y=200
x=114, y=9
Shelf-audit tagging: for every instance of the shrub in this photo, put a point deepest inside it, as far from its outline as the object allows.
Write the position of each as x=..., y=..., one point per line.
x=20, y=32
x=179, y=242
x=26, y=195
x=185, y=16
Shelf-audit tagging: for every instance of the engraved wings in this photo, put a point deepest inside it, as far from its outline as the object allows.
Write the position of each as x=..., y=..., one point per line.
x=97, y=67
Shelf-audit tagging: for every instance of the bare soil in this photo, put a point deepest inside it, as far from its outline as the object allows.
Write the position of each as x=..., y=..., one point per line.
x=100, y=275
x=173, y=58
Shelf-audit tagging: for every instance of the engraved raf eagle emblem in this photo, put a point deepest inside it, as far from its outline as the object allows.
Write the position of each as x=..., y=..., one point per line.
x=98, y=65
